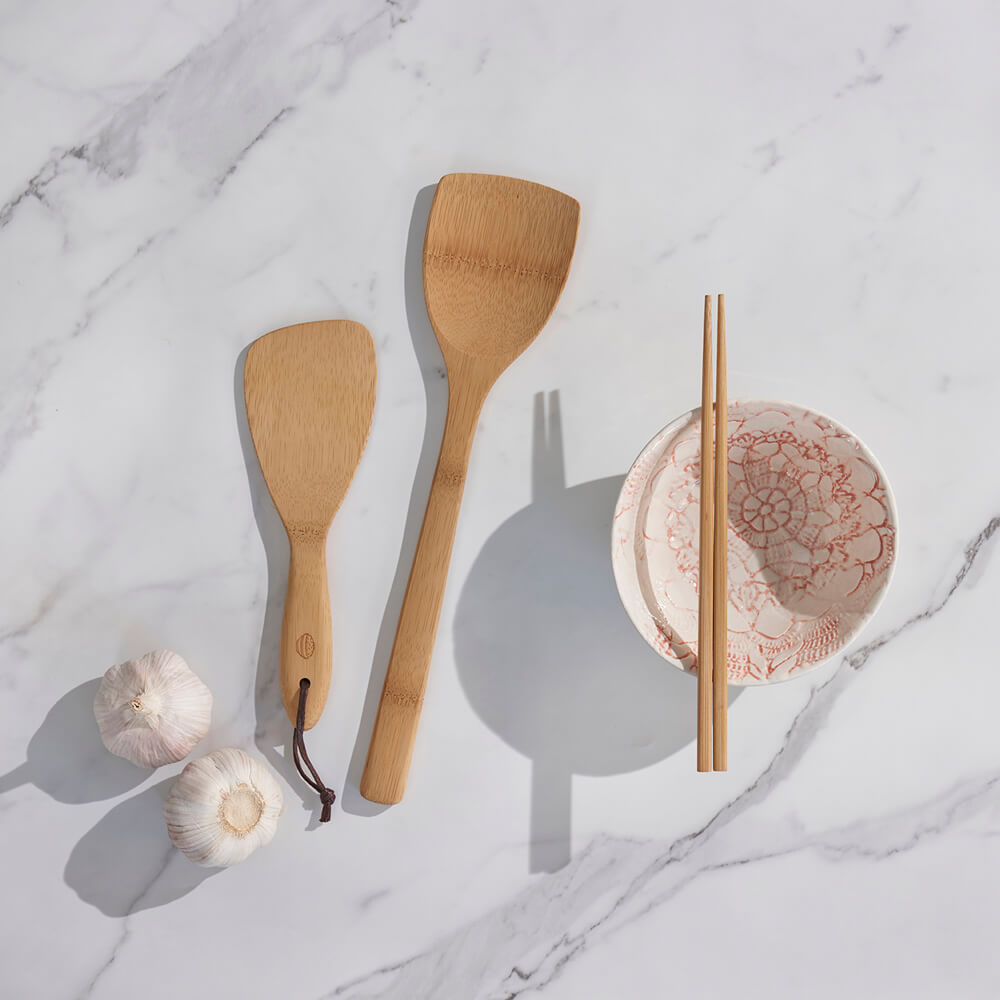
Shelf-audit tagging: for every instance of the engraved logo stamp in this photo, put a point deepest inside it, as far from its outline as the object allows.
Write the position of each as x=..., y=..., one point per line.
x=305, y=645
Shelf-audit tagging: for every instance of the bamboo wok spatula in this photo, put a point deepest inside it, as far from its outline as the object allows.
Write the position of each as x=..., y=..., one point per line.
x=496, y=256
x=310, y=395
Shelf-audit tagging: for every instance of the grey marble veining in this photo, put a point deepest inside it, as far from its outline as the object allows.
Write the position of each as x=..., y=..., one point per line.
x=180, y=178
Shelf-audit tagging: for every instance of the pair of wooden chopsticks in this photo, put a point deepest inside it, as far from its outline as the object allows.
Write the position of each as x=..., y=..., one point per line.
x=712, y=581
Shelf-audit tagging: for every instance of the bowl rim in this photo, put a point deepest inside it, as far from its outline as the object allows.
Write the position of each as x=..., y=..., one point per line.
x=863, y=617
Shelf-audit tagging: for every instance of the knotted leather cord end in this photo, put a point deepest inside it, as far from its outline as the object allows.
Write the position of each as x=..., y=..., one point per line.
x=326, y=795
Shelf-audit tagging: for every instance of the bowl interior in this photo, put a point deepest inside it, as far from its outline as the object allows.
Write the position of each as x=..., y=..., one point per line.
x=811, y=540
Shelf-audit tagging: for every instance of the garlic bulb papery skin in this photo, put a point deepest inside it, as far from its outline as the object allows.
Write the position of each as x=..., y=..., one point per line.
x=152, y=710
x=222, y=807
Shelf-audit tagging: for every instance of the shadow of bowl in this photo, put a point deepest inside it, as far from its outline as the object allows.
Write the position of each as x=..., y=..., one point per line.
x=549, y=659
x=546, y=654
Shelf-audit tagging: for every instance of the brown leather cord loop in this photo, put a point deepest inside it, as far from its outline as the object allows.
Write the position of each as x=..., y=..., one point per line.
x=326, y=795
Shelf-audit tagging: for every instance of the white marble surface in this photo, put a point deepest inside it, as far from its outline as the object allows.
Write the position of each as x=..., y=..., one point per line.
x=180, y=177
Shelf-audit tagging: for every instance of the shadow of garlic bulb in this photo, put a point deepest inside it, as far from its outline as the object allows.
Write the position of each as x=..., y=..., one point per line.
x=222, y=807
x=152, y=710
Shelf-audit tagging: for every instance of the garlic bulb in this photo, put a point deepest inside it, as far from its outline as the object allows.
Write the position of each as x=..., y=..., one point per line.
x=153, y=710
x=223, y=807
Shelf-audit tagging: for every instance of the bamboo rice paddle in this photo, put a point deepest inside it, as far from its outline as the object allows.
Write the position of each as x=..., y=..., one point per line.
x=496, y=256
x=310, y=395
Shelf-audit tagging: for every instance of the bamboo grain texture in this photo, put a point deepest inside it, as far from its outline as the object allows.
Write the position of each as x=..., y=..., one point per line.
x=705, y=553
x=310, y=396
x=720, y=576
x=496, y=256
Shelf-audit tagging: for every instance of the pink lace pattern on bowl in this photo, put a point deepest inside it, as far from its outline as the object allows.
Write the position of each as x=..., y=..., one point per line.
x=811, y=540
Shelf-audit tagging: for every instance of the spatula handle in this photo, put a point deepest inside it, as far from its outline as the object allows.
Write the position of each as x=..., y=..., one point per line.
x=306, y=645
x=384, y=778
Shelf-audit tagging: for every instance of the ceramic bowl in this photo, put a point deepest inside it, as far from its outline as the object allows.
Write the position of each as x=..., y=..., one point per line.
x=812, y=540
